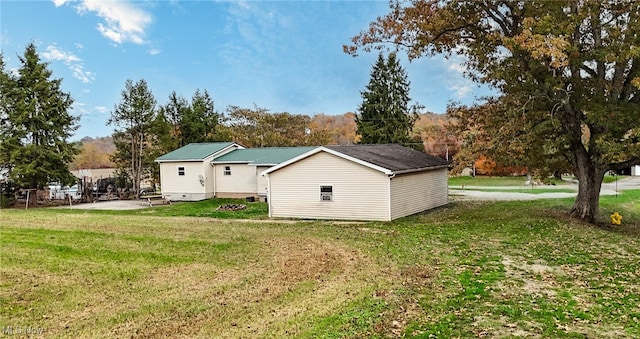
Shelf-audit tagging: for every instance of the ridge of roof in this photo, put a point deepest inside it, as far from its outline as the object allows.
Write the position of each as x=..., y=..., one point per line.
x=195, y=151
x=262, y=156
x=390, y=159
x=395, y=157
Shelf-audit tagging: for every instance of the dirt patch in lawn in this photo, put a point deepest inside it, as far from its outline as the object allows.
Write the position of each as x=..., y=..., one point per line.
x=288, y=279
x=537, y=278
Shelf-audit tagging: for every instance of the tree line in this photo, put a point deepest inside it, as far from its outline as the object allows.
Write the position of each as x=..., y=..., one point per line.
x=36, y=125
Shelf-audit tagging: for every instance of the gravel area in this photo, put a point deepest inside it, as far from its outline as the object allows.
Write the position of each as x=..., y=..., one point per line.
x=110, y=205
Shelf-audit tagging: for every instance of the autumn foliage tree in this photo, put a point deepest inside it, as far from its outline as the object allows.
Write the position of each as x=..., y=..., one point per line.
x=568, y=74
x=258, y=127
x=340, y=128
x=94, y=154
x=436, y=135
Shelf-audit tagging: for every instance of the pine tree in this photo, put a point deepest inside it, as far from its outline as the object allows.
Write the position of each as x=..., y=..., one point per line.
x=202, y=121
x=385, y=115
x=132, y=118
x=36, y=123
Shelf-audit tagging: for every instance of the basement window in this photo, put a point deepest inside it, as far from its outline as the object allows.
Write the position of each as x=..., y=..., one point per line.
x=227, y=170
x=181, y=171
x=326, y=193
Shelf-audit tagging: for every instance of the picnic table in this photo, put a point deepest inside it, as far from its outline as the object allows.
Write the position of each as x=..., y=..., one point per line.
x=149, y=199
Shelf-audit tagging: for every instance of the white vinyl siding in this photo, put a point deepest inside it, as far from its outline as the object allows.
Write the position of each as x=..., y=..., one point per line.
x=187, y=186
x=241, y=181
x=262, y=184
x=416, y=192
x=359, y=192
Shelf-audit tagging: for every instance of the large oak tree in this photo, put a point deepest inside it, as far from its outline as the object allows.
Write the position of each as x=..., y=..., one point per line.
x=569, y=71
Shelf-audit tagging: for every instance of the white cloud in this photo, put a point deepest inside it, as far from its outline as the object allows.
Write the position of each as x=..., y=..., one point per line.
x=54, y=53
x=123, y=21
x=101, y=109
x=74, y=63
x=59, y=3
x=154, y=51
x=80, y=74
x=456, y=81
x=461, y=89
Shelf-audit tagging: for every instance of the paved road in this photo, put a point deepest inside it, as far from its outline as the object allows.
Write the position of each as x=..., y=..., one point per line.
x=475, y=193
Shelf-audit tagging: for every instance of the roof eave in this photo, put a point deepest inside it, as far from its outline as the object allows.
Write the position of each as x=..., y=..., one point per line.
x=218, y=162
x=421, y=169
x=178, y=160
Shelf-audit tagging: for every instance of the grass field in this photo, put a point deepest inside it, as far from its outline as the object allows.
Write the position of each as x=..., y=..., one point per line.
x=525, y=190
x=510, y=181
x=470, y=269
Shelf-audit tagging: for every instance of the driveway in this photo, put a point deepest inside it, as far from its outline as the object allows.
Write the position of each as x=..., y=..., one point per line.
x=109, y=205
x=476, y=193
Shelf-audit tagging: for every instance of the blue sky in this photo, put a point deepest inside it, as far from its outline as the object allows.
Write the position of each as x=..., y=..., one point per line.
x=285, y=56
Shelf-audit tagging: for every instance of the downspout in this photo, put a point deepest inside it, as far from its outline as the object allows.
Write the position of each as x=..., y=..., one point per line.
x=390, y=176
x=214, y=179
x=269, y=194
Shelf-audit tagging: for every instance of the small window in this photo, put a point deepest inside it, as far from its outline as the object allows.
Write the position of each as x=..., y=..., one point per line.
x=227, y=170
x=181, y=171
x=326, y=193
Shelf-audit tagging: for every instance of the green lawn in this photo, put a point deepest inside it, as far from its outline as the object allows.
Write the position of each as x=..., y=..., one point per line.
x=510, y=181
x=205, y=208
x=471, y=269
x=534, y=190
x=487, y=181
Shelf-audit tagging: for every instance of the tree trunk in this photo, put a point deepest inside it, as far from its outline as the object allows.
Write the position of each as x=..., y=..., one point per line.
x=587, y=202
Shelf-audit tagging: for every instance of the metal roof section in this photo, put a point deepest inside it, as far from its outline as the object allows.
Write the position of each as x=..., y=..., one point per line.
x=266, y=156
x=196, y=151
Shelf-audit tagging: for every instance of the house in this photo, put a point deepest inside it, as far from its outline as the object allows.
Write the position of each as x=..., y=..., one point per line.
x=357, y=182
x=635, y=170
x=238, y=174
x=225, y=170
x=186, y=174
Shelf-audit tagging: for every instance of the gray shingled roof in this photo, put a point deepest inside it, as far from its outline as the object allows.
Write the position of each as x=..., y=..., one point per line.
x=397, y=158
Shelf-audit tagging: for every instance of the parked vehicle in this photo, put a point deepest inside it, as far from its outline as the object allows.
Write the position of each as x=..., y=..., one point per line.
x=59, y=192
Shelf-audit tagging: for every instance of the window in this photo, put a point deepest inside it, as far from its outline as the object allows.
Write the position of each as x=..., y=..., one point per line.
x=181, y=171
x=227, y=170
x=326, y=193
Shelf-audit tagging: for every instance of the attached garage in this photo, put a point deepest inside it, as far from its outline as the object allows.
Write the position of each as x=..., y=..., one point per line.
x=357, y=182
